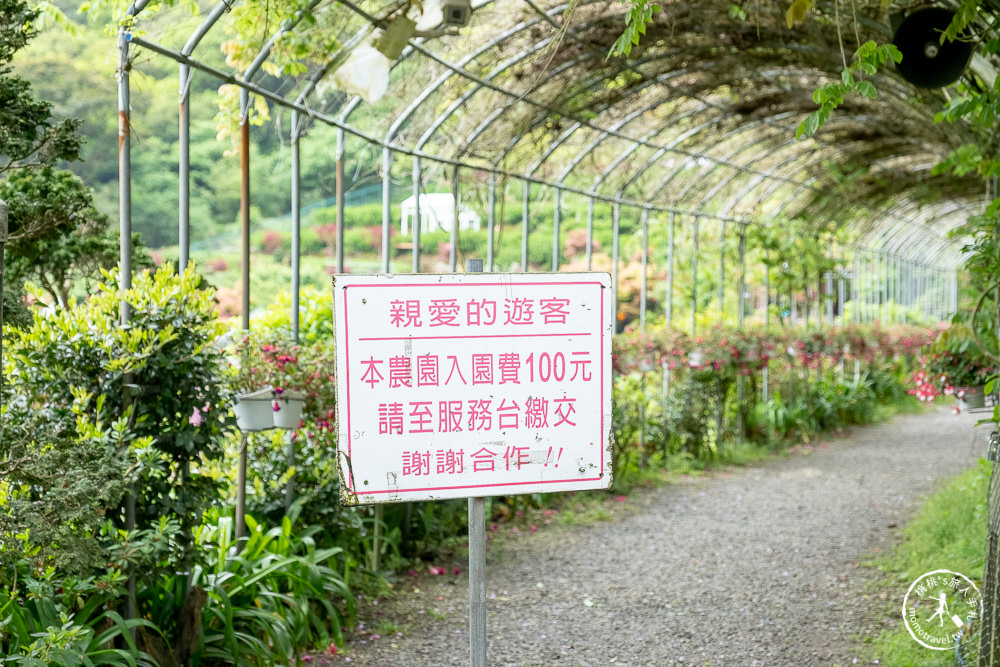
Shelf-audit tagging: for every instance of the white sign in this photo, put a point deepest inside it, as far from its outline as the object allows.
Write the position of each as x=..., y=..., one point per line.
x=461, y=385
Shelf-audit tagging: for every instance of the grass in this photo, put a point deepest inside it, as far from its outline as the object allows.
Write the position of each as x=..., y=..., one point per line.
x=948, y=532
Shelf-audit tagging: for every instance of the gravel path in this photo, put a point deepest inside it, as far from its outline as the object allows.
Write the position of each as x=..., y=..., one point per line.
x=752, y=566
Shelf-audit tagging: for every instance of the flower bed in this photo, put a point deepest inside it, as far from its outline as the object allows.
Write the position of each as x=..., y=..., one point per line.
x=726, y=349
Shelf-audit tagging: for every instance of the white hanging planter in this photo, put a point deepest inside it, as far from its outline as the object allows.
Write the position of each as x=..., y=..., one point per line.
x=254, y=411
x=286, y=409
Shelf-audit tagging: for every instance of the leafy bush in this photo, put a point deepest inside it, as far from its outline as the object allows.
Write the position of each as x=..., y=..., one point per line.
x=98, y=413
x=271, y=597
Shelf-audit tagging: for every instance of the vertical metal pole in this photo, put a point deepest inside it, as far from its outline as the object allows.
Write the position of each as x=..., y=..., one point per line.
x=555, y=230
x=670, y=270
x=3, y=242
x=616, y=212
x=767, y=297
x=415, y=253
x=722, y=271
x=741, y=298
x=184, y=169
x=477, y=558
x=953, y=305
x=125, y=241
x=741, y=306
x=386, y=207
x=296, y=223
x=645, y=269
x=296, y=276
x=590, y=231
x=899, y=276
x=340, y=201
x=694, y=277
x=241, y=488
x=525, y=213
x=764, y=375
x=883, y=291
x=453, y=237
x=245, y=206
x=241, y=469
x=828, y=298
x=856, y=288
x=491, y=221
x=862, y=288
x=840, y=300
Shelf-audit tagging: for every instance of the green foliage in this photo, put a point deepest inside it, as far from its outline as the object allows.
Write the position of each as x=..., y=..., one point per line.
x=62, y=474
x=950, y=527
x=867, y=60
x=66, y=622
x=271, y=597
x=58, y=237
x=30, y=135
x=713, y=409
x=156, y=381
x=640, y=14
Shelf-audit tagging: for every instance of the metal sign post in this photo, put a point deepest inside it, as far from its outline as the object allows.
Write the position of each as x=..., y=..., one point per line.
x=477, y=557
x=3, y=241
x=472, y=385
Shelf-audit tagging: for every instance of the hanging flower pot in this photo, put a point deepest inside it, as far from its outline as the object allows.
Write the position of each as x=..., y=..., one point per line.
x=253, y=410
x=971, y=397
x=286, y=408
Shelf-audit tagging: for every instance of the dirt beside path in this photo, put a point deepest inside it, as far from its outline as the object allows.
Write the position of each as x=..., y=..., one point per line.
x=754, y=566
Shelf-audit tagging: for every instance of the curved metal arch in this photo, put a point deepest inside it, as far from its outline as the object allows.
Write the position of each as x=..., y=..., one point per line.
x=764, y=175
x=589, y=149
x=605, y=133
x=184, y=134
x=624, y=155
x=633, y=115
x=562, y=113
x=248, y=74
x=901, y=236
x=740, y=148
x=655, y=160
x=464, y=147
x=737, y=198
x=726, y=181
x=418, y=101
x=730, y=178
x=919, y=219
x=947, y=210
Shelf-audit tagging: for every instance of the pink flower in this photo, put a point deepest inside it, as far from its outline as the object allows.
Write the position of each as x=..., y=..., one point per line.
x=195, y=418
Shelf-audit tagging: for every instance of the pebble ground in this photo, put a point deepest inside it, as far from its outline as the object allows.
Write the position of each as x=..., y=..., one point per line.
x=753, y=566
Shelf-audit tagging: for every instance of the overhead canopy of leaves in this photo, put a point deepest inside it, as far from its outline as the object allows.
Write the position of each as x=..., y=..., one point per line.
x=56, y=233
x=28, y=133
x=155, y=374
x=698, y=113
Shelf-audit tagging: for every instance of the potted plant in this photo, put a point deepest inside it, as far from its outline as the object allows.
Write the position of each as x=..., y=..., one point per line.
x=252, y=396
x=268, y=383
x=286, y=407
x=254, y=411
x=960, y=365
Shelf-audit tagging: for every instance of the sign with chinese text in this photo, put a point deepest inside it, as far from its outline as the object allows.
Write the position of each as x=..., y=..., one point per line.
x=477, y=384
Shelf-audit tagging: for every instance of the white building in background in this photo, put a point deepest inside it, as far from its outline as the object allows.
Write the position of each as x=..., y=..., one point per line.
x=437, y=211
